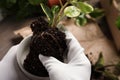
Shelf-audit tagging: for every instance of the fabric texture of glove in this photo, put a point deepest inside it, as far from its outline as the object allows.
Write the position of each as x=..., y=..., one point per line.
x=77, y=67
x=9, y=69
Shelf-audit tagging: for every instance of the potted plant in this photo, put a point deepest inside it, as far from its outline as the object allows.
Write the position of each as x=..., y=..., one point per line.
x=112, y=11
x=48, y=35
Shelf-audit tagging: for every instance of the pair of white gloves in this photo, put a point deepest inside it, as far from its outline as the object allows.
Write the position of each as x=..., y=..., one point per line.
x=77, y=68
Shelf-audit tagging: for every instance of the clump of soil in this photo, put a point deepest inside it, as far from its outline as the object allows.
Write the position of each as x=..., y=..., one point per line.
x=47, y=41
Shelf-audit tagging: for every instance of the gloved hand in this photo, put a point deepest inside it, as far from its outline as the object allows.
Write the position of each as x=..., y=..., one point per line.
x=9, y=69
x=77, y=68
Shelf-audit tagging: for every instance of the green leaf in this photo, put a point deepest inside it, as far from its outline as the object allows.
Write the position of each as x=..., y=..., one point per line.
x=55, y=9
x=81, y=20
x=71, y=11
x=97, y=13
x=84, y=7
x=72, y=1
x=100, y=61
x=47, y=12
x=118, y=22
x=36, y=2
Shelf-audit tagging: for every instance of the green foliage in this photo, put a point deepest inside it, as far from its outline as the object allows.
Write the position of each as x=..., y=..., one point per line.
x=20, y=8
x=81, y=20
x=99, y=69
x=47, y=11
x=100, y=61
x=97, y=13
x=25, y=8
x=77, y=9
x=84, y=7
x=55, y=9
x=118, y=22
x=72, y=11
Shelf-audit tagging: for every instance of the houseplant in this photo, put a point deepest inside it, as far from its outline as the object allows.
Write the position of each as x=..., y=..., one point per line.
x=49, y=36
x=112, y=13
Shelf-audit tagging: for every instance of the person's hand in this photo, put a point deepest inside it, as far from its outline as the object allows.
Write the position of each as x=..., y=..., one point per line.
x=9, y=69
x=77, y=68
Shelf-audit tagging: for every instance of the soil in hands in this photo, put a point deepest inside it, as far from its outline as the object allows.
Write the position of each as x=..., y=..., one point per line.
x=47, y=41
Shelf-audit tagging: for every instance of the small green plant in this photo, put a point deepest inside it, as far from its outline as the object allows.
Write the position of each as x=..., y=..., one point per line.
x=75, y=9
x=78, y=10
x=100, y=72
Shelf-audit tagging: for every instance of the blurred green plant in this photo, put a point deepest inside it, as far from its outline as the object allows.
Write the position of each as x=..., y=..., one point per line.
x=20, y=8
x=117, y=22
x=100, y=72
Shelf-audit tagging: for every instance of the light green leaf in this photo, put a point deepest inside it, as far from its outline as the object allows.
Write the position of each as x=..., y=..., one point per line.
x=84, y=7
x=97, y=13
x=118, y=22
x=72, y=1
x=71, y=11
x=47, y=12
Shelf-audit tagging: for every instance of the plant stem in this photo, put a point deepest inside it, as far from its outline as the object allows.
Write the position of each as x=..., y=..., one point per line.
x=57, y=18
x=61, y=3
x=112, y=65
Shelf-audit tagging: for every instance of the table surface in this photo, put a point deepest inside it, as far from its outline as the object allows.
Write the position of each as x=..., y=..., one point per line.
x=7, y=28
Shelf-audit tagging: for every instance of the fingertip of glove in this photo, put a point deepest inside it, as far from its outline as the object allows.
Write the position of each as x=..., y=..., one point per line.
x=41, y=56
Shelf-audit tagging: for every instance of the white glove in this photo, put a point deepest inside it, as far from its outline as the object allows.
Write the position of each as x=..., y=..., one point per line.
x=77, y=68
x=9, y=69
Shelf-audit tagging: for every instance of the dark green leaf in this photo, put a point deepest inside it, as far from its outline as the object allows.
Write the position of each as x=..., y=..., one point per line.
x=55, y=9
x=118, y=22
x=36, y=2
x=81, y=20
x=47, y=12
x=97, y=13
x=100, y=61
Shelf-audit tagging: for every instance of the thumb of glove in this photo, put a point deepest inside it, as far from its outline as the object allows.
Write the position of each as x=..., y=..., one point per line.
x=50, y=62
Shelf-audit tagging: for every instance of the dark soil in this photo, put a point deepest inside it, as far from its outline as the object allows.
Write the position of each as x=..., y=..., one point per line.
x=46, y=41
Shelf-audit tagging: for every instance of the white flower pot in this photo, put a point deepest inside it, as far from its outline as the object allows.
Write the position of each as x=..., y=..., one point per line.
x=22, y=52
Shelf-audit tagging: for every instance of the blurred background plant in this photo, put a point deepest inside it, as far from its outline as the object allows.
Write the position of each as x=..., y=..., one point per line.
x=20, y=8
x=100, y=71
x=117, y=5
